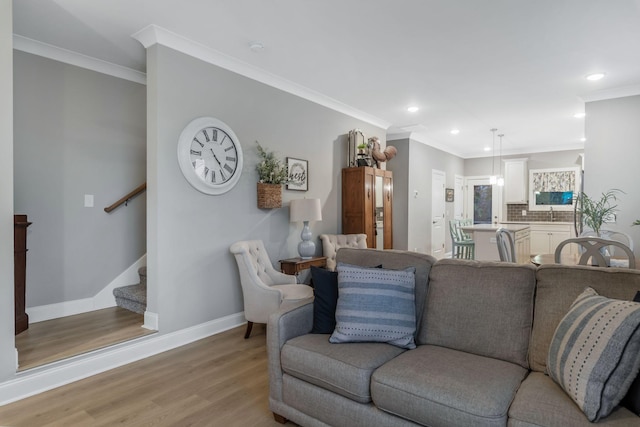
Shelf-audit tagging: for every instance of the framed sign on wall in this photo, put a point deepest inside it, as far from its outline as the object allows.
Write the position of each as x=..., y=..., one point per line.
x=298, y=171
x=448, y=194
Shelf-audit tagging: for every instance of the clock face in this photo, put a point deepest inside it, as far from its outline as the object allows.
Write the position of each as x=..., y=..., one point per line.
x=210, y=155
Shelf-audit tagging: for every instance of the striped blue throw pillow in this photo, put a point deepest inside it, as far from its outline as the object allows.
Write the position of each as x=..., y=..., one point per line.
x=594, y=354
x=375, y=305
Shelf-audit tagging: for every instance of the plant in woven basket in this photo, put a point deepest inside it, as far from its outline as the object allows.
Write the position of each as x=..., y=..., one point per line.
x=270, y=169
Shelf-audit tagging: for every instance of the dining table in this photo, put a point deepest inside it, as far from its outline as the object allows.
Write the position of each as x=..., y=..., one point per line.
x=574, y=259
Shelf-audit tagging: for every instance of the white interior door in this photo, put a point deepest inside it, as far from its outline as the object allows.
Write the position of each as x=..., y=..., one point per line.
x=438, y=179
x=483, y=201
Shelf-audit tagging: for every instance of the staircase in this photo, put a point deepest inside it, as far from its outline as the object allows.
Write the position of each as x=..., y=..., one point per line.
x=133, y=297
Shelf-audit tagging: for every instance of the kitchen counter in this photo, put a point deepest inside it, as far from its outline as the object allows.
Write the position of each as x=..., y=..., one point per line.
x=538, y=222
x=486, y=248
x=494, y=227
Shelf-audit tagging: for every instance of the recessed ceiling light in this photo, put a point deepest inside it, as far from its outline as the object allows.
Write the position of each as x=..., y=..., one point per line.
x=455, y=131
x=583, y=139
x=256, y=46
x=487, y=148
x=579, y=115
x=595, y=76
x=412, y=109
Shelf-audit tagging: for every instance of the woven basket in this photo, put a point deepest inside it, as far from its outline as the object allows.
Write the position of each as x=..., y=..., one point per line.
x=269, y=196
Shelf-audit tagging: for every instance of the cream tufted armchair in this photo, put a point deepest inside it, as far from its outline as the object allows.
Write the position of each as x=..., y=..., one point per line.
x=264, y=288
x=332, y=242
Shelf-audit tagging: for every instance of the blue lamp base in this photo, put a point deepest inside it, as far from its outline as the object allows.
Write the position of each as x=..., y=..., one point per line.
x=306, y=248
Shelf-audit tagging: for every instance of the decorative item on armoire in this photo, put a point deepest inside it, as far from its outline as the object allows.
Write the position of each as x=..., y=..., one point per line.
x=356, y=139
x=380, y=156
x=271, y=175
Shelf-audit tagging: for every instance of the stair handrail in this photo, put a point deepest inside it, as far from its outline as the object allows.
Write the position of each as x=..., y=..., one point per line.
x=124, y=200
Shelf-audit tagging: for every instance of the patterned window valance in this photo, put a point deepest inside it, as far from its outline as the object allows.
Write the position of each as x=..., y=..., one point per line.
x=554, y=181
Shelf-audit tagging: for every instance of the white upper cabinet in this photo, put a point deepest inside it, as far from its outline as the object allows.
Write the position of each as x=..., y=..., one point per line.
x=515, y=181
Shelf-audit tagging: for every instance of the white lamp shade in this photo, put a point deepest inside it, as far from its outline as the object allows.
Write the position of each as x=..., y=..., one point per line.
x=305, y=210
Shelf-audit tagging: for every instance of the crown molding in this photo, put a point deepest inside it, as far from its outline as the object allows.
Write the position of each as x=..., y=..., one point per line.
x=619, y=92
x=153, y=34
x=423, y=139
x=46, y=50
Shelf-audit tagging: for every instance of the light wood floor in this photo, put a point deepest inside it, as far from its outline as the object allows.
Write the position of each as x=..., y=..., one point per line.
x=57, y=339
x=218, y=381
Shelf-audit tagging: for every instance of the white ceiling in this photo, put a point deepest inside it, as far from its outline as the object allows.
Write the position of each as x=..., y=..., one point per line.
x=515, y=65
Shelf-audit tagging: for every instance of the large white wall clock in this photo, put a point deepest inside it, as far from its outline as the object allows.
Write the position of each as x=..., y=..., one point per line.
x=210, y=155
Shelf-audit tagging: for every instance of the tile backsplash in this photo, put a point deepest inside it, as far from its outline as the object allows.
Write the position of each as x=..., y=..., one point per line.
x=514, y=213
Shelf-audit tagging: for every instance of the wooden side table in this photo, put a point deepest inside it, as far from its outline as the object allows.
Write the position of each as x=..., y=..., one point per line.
x=296, y=265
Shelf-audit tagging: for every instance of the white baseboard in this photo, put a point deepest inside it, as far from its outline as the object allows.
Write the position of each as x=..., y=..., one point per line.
x=102, y=299
x=150, y=320
x=41, y=379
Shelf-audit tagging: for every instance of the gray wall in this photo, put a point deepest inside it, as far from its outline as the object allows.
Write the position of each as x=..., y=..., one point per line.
x=77, y=132
x=612, y=151
x=189, y=233
x=7, y=341
x=412, y=172
x=555, y=159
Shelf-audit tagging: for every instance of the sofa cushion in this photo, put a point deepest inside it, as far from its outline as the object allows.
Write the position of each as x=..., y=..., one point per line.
x=558, y=286
x=541, y=402
x=481, y=308
x=397, y=260
x=375, y=305
x=325, y=291
x=594, y=352
x=436, y=386
x=341, y=368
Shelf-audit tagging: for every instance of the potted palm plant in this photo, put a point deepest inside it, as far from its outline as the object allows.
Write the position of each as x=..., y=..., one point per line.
x=594, y=212
x=272, y=173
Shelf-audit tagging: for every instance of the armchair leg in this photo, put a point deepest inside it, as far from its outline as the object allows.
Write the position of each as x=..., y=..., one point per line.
x=248, y=332
x=279, y=418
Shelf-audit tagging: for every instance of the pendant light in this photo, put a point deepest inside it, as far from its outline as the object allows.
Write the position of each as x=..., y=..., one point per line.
x=493, y=179
x=500, y=179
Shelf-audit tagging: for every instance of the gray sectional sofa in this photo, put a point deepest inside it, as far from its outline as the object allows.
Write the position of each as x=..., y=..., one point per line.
x=483, y=335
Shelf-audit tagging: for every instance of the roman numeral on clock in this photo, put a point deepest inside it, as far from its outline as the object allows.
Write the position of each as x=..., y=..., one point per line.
x=228, y=168
x=196, y=153
x=206, y=135
x=231, y=159
x=195, y=139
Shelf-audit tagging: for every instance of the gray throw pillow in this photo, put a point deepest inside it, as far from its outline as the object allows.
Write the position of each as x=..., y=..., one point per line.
x=375, y=305
x=594, y=352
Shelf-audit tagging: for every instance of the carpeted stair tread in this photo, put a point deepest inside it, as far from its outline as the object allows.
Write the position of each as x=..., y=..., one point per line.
x=133, y=297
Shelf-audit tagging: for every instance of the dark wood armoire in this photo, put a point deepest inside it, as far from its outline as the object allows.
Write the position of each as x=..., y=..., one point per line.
x=20, y=225
x=367, y=201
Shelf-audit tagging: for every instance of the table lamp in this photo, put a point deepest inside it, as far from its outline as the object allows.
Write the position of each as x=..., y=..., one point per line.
x=305, y=210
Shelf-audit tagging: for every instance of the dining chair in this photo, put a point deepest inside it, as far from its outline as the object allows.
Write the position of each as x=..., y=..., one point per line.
x=506, y=247
x=595, y=249
x=264, y=288
x=618, y=236
x=463, y=245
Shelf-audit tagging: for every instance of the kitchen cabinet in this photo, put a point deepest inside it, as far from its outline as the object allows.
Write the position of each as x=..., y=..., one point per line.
x=546, y=237
x=515, y=181
x=522, y=243
x=367, y=201
x=486, y=247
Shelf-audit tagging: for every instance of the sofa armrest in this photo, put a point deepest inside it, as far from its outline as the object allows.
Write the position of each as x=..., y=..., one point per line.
x=284, y=325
